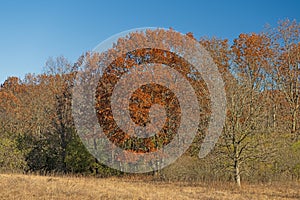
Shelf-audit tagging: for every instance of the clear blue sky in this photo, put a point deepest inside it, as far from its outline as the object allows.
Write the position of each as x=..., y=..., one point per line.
x=33, y=31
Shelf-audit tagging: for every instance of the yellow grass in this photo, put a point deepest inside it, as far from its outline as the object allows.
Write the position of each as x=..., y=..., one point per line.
x=15, y=186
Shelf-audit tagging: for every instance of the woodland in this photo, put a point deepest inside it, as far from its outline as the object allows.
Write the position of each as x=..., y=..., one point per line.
x=260, y=140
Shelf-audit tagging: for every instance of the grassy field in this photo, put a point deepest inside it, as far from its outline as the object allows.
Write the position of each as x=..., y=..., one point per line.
x=15, y=186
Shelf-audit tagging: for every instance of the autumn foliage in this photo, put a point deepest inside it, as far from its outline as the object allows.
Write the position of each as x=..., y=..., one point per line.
x=261, y=134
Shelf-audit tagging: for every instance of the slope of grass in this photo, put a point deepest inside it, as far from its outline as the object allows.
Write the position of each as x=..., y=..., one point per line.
x=16, y=186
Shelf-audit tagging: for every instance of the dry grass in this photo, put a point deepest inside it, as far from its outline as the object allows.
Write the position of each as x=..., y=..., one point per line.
x=14, y=186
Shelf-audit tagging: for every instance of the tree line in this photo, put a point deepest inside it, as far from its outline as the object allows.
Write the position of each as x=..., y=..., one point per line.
x=261, y=135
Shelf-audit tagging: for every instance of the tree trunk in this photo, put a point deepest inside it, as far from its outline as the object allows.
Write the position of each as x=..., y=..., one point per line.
x=274, y=116
x=237, y=176
x=294, y=124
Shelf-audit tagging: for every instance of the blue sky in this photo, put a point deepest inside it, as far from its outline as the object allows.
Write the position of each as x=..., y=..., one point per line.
x=33, y=31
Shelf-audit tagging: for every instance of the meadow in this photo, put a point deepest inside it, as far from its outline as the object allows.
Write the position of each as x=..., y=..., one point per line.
x=19, y=186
